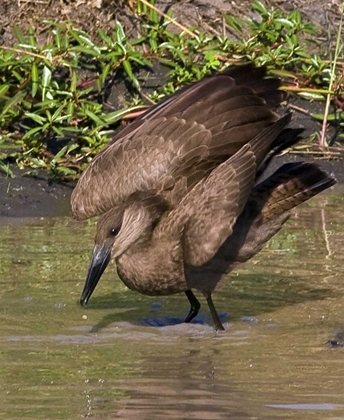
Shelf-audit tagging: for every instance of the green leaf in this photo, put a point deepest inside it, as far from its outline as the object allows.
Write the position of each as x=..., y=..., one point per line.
x=114, y=56
x=6, y=168
x=48, y=113
x=37, y=163
x=105, y=72
x=70, y=110
x=46, y=79
x=18, y=76
x=233, y=22
x=58, y=131
x=72, y=147
x=153, y=43
x=34, y=78
x=115, y=116
x=3, y=90
x=57, y=38
x=105, y=38
x=12, y=102
x=94, y=117
x=31, y=132
x=72, y=129
x=86, y=40
x=311, y=96
x=61, y=118
x=141, y=60
x=19, y=34
x=60, y=154
x=32, y=37
x=86, y=50
x=26, y=47
x=57, y=113
x=259, y=7
x=153, y=15
x=37, y=118
x=120, y=34
x=74, y=82
x=330, y=117
x=285, y=22
x=128, y=69
x=140, y=40
x=66, y=171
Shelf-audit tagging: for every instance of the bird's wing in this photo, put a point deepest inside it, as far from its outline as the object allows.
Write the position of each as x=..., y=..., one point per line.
x=208, y=213
x=203, y=126
x=249, y=76
x=154, y=159
x=269, y=205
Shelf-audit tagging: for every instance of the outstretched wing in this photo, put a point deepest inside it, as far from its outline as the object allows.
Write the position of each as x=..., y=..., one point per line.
x=210, y=210
x=207, y=122
x=154, y=160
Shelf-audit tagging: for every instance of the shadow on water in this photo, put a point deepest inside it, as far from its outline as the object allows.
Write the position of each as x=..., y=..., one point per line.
x=271, y=294
x=129, y=356
x=155, y=321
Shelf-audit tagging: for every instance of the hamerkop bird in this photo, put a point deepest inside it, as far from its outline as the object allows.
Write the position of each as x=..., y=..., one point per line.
x=178, y=190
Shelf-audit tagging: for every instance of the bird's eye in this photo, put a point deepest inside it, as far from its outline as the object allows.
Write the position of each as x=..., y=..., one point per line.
x=114, y=231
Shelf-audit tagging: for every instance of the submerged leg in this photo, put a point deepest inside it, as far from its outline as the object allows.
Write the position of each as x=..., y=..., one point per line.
x=194, y=308
x=216, y=319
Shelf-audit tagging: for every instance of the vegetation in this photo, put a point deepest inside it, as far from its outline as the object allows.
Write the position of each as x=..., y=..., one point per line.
x=52, y=95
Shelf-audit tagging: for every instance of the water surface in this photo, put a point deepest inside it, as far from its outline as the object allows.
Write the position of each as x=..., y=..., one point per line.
x=127, y=356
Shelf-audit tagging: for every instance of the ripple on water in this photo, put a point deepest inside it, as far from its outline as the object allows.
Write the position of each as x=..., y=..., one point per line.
x=131, y=357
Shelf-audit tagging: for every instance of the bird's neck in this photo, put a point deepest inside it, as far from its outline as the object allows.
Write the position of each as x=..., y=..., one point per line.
x=152, y=265
x=152, y=262
x=139, y=220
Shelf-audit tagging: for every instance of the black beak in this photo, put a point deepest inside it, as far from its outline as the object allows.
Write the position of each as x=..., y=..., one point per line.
x=100, y=259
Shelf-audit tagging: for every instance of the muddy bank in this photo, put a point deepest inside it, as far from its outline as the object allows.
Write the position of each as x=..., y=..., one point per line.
x=33, y=195
x=38, y=196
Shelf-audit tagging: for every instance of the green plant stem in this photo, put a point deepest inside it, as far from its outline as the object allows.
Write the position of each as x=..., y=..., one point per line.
x=322, y=140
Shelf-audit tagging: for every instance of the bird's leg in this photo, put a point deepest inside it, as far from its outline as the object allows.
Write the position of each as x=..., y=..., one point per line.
x=216, y=319
x=194, y=308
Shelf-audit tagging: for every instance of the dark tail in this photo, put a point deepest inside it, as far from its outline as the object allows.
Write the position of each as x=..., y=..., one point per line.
x=269, y=205
x=291, y=185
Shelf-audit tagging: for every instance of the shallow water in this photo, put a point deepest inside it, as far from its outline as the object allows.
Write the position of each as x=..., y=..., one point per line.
x=128, y=356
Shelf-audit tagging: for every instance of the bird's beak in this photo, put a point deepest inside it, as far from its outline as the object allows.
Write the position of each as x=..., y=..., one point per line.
x=100, y=259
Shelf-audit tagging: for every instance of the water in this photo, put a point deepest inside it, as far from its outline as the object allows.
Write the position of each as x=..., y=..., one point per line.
x=128, y=357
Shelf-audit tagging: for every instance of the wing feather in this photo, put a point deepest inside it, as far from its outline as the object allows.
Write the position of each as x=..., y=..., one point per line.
x=185, y=136
x=149, y=161
x=210, y=209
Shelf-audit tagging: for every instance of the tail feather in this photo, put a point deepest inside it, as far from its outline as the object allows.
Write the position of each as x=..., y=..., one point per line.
x=269, y=205
x=291, y=185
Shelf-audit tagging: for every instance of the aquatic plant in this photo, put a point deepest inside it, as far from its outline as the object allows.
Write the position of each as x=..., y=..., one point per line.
x=52, y=94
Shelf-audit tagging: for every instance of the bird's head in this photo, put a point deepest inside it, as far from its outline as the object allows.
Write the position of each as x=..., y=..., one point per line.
x=116, y=231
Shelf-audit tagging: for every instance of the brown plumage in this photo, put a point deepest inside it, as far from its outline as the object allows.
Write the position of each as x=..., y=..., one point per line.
x=177, y=189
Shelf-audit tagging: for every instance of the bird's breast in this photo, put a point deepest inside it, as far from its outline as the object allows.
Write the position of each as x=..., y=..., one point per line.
x=152, y=273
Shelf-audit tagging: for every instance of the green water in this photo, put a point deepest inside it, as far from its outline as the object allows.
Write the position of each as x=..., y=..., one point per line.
x=128, y=357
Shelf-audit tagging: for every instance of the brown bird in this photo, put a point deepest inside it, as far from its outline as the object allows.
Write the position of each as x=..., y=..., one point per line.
x=177, y=189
